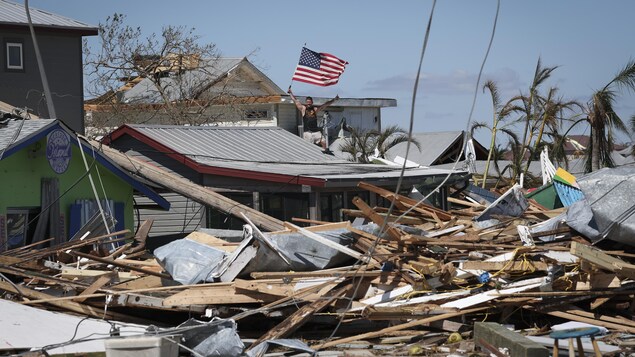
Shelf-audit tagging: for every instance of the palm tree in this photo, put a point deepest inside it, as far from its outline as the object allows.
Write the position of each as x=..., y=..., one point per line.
x=603, y=119
x=549, y=115
x=361, y=145
x=530, y=104
x=390, y=137
x=499, y=114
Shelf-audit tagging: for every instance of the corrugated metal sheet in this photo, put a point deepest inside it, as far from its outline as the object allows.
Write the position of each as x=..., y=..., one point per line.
x=15, y=14
x=209, y=145
x=184, y=215
x=568, y=194
x=609, y=192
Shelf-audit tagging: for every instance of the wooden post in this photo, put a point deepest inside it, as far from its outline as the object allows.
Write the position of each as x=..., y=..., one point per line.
x=196, y=192
x=314, y=206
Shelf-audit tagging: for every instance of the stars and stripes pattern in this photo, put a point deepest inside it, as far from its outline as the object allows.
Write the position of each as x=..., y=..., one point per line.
x=321, y=69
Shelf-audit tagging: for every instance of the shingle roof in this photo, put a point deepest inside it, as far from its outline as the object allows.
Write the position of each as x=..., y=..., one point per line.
x=19, y=131
x=12, y=13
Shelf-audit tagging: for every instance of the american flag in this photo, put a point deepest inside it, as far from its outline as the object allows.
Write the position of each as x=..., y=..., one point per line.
x=321, y=69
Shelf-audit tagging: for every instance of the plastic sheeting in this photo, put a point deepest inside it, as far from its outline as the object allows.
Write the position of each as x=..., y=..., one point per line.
x=609, y=193
x=262, y=348
x=190, y=262
x=215, y=338
x=185, y=259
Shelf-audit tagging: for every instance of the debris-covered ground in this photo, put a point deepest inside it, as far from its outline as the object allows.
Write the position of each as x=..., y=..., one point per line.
x=407, y=280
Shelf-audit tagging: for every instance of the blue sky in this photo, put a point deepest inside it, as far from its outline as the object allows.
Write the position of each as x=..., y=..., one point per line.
x=382, y=40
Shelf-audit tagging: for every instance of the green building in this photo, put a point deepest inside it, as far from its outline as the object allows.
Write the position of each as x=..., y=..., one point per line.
x=52, y=184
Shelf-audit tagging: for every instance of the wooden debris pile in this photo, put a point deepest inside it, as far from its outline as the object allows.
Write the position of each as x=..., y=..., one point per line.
x=417, y=279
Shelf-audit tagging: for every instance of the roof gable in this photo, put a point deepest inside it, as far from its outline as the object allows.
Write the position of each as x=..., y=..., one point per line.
x=436, y=148
x=223, y=73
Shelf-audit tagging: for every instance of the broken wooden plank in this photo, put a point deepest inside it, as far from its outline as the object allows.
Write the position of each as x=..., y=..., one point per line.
x=403, y=326
x=117, y=264
x=392, y=232
x=603, y=260
x=411, y=220
x=96, y=285
x=527, y=266
x=141, y=236
x=220, y=294
x=407, y=201
x=302, y=315
x=66, y=305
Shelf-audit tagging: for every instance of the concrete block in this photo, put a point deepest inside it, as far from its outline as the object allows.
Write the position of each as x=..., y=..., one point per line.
x=500, y=337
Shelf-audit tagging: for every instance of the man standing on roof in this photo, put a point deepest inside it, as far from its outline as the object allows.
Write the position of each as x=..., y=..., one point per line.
x=312, y=132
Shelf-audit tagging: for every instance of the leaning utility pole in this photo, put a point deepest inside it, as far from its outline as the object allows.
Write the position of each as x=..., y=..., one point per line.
x=196, y=192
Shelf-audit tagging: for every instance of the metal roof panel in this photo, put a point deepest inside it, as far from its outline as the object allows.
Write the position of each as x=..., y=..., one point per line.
x=12, y=13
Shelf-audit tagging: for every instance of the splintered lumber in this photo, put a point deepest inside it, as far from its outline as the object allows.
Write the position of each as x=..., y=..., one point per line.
x=26, y=247
x=141, y=237
x=218, y=294
x=400, y=327
x=190, y=189
x=350, y=271
x=404, y=202
x=340, y=248
x=96, y=285
x=302, y=315
x=74, y=244
x=505, y=266
x=66, y=305
x=603, y=260
x=121, y=265
x=212, y=241
x=392, y=218
x=393, y=233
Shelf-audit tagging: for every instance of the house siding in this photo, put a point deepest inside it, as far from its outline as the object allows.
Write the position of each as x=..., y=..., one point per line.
x=184, y=215
x=62, y=57
x=23, y=172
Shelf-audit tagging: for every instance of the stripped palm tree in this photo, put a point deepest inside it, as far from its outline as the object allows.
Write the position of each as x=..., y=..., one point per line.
x=499, y=115
x=604, y=120
x=530, y=102
x=549, y=115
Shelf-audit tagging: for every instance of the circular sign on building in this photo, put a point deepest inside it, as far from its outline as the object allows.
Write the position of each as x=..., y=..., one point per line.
x=58, y=150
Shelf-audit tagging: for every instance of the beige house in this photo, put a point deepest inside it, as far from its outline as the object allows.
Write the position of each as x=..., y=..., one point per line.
x=222, y=92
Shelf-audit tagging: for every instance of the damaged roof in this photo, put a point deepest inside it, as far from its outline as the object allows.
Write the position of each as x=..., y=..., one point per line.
x=191, y=83
x=435, y=146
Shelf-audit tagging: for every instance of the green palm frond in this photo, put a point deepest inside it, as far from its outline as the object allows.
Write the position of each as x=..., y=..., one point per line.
x=625, y=78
